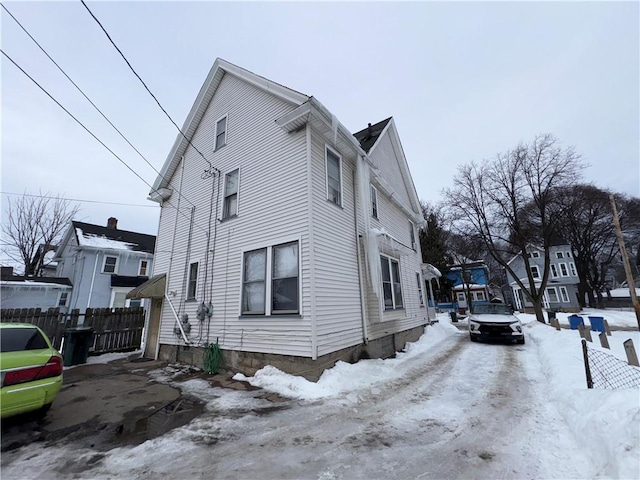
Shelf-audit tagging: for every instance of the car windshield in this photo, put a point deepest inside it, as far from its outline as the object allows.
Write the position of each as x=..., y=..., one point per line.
x=493, y=308
x=16, y=339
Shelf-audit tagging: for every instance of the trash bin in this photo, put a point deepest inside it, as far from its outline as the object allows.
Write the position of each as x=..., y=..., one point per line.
x=77, y=341
x=597, y=323
x=454, y=316
x=574, y=321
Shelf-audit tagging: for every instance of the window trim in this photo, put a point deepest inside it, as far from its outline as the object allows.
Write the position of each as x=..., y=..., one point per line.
x=393, y=294
x=268, y=305
x=224, y=195
x=559, y=254
x=554, y=270
x=373, y=198
x=146, y=269
x=563, y=272
x=564, y=294
x=420, y=289
x=478, y=294
x=555, y=292
x=534, y=254
x=572, y=269
x=226, y=130
x=328, y=149
x=191, y=281
x=66, y=298
x=412, y=235
x=537, y=271
x=115, y=266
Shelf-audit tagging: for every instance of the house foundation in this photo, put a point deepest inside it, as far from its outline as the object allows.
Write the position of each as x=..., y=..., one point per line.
x=248, y=363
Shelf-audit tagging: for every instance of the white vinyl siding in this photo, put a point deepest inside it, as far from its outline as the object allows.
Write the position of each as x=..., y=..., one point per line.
x=270, y=161
x=334, y=176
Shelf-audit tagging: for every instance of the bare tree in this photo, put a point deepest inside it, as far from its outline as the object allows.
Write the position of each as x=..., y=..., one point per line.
x=511, y=202
x=33, y=225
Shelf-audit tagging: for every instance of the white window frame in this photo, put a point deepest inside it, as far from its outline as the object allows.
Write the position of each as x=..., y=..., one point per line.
x=564, y=294
x=420, y=289
x=568, y=253
x=480, y=296
x=572, y=269
x=66, y=298
x=268, y=280
x=554, y=270
x=115, y=266
x=373, y=193
x=412, y=235
x=564, y=271
x=146, y=268
x=555, y=293
x=559, y=254
x=192, y=281
x=225, y=212
x=127, y=301
x=537, y=271
x=328, y=149
x=534, y=254
x=226, y=130
x=395, y=304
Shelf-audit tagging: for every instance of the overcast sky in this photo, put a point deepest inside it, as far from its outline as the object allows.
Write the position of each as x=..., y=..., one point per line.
x=463, y=81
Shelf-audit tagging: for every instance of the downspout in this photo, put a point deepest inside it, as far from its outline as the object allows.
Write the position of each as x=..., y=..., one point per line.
x=93, y=278
x=312, y=268
x=363, y=310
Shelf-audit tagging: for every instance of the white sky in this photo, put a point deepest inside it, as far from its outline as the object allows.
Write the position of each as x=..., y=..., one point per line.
x=463, y=81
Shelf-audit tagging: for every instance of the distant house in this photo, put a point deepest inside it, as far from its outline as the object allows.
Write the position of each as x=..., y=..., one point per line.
x=103, y=264
x=472, y=276
x=562, y=286
x=17, y=291
x=46, y=266
x=298, y=242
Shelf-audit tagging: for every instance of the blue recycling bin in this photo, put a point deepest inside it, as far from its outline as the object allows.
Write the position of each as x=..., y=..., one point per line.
x=597, y=323
x=574, y=321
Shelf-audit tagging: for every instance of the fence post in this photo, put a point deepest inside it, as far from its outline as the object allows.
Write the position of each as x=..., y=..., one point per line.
x=587, y=370
x=606, y=327
x=556, y=323
x=604, y=341
x=585, y=332
x=630, y=350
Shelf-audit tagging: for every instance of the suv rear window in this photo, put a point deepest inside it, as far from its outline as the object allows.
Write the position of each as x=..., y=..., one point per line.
x=16, y=339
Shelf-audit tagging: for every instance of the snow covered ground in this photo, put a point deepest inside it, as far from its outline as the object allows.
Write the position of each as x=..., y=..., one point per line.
x=444, y=408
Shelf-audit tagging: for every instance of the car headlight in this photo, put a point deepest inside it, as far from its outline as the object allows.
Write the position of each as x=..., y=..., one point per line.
x=516, y=326
x=473, y=325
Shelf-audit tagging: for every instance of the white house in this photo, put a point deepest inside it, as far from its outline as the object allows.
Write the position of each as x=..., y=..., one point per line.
x=283, y=237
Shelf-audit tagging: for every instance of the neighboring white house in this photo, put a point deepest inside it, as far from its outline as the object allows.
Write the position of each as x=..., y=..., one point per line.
x=17, y=291
x=103, y=264
x=283, y=237
x=561, y=292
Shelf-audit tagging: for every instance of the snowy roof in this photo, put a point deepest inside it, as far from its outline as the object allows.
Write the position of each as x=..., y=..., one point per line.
x=472, y=286
x=96, y=236
x=31, y=283
x=623, y=293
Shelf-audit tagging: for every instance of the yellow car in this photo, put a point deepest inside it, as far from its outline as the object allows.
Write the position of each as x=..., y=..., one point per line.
x=31, y=370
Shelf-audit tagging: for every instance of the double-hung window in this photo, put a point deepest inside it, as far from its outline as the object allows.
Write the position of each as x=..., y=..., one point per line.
x=62, y=299
x=412, y=234
x=374, y=202
x=193, y=281
x=563, y=270
x=221, y=132
x=271, y=273
x=564, y=294
x=144, y=266
x=559, y=255
x=572, y=269
x=334, y=177
x=391, y=286
x=110, y=264
x=420, y=292
x=552, y=294
x=230, y=208
x=535, y=272
x=554, y=271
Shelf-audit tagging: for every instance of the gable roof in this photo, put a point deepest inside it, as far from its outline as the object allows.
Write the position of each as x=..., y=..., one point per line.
x=97, y=236
x=219, y=69
x=368, y=136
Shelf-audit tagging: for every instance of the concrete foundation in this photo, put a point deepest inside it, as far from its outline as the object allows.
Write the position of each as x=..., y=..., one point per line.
x=250, y=362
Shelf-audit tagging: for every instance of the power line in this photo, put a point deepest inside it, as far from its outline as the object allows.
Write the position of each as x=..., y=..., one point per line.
x=77, y=200
x=88, y=99
x=90, y=132
x=214, y=169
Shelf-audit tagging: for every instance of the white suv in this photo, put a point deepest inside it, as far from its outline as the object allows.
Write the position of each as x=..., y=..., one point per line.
x=495, y=321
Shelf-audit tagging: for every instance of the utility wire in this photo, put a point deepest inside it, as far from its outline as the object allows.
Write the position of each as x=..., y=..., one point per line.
x=88, y=99
x=212, y=170
x=77, y=200
x=89, y=131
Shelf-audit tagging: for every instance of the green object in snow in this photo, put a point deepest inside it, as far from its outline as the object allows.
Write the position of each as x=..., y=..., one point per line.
x=213, y=359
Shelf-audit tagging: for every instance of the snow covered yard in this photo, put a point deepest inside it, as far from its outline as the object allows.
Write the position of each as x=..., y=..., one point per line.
x=444, y=408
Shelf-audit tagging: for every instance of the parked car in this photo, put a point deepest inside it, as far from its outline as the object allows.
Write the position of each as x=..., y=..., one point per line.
x=495, y=321
x=31, y=370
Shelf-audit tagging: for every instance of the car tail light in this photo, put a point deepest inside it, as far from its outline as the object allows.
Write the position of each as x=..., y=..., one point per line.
x=52, y=368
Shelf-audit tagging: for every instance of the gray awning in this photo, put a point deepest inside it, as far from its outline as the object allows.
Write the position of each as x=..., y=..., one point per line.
x=152, y=288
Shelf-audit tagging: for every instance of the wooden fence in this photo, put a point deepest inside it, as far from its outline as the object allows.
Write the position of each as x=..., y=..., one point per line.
x=115, y=330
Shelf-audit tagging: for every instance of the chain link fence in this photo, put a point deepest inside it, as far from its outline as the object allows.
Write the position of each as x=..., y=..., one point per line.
x=607, y=371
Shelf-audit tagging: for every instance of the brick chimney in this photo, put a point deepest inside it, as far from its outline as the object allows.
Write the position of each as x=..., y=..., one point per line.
x=112, y=223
